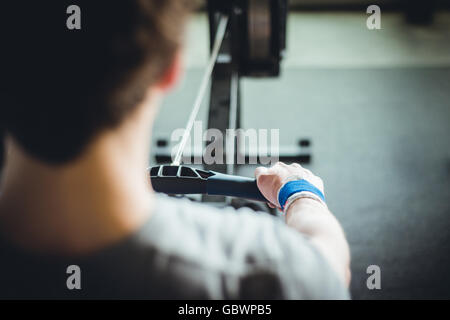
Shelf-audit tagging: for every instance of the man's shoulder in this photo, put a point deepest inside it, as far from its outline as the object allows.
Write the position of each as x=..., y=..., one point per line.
x=241, y=253
x=191, y=230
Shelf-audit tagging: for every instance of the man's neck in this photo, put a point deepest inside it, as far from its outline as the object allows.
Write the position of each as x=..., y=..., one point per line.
x=87, y=204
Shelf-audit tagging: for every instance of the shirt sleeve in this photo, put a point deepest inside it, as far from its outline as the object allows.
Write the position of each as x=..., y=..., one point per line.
x=247, y=255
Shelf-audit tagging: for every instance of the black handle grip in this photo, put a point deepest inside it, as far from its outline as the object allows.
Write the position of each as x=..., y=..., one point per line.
x=186, y=180
x=234, y=186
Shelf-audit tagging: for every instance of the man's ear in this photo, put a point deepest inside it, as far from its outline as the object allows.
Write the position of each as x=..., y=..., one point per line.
x=172, y=74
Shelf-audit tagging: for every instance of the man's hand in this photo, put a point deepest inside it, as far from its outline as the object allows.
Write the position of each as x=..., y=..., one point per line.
x=270, y=180
x=308, y=215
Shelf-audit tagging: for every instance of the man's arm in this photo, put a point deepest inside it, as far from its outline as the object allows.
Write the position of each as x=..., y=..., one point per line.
x=308, y=214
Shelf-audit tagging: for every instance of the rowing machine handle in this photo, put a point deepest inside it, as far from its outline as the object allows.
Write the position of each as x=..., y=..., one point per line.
x=234, y=186
x=173, y=179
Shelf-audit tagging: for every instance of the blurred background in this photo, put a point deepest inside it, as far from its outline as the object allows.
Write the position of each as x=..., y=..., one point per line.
x=375, y=105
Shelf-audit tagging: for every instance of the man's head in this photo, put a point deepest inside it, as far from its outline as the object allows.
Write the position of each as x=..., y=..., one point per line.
x=62, y=87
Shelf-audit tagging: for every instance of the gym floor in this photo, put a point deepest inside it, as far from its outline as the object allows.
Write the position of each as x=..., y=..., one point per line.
x=376, y=106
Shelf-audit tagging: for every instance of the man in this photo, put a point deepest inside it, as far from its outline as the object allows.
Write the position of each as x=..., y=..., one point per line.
x=77, y=111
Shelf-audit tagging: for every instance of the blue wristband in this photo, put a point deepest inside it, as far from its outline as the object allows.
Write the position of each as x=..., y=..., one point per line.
x=291, y=187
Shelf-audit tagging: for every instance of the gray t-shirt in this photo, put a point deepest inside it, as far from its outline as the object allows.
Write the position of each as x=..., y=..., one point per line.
x=186, y=250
